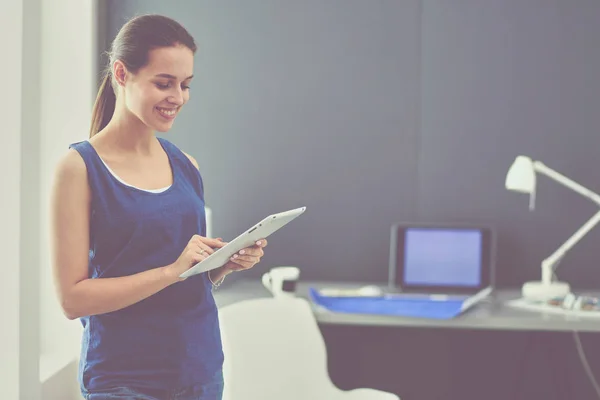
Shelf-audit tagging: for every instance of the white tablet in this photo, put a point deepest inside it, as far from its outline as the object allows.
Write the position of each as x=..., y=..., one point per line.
x=261, y=230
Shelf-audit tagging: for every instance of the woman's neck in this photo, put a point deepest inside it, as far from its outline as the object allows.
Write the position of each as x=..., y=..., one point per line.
x=127, y=133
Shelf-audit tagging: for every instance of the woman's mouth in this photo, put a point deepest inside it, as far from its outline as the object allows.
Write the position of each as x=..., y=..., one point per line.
x=167, y=113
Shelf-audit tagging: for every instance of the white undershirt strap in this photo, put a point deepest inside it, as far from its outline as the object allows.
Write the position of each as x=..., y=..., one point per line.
x=127, y=184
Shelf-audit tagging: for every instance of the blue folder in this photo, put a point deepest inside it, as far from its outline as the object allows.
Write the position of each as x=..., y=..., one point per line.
x=419, y=307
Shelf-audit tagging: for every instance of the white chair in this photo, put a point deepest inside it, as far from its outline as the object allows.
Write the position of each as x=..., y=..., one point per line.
x=274, y=351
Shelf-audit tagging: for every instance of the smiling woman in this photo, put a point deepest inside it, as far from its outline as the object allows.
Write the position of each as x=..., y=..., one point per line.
x=128, y=219
x=160, y=62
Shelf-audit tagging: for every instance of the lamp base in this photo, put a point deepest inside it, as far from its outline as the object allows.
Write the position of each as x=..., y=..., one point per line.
x=538, y=290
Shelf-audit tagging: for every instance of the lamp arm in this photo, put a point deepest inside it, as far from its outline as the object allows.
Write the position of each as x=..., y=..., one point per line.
x=549, y=263
x=563, y=180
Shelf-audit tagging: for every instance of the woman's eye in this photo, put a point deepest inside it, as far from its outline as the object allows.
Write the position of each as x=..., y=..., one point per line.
x=164, y=86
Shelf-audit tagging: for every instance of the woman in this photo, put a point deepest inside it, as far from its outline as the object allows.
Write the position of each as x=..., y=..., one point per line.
x=128, y=220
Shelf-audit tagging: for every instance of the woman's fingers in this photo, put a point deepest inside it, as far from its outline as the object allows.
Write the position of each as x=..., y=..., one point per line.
x=251, y=252
x=208, y=250
x=208, y=244
x=213, y=243
x=247, y=259
x=250, y=256
x=240, y=265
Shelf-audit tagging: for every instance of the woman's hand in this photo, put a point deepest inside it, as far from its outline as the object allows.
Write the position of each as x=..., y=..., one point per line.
x=246, y=258
x=197, y=249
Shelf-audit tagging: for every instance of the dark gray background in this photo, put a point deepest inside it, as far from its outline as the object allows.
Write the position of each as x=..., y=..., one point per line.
x=373, y=112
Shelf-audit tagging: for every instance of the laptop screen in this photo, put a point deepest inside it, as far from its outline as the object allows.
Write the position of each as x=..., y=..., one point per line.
x=443, y=257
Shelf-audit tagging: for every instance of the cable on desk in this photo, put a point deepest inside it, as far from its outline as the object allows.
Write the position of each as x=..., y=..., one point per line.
x=580, y=351
x=584, y=362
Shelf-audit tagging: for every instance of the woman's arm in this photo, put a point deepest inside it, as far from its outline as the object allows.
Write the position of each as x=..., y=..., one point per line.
x=78, y=295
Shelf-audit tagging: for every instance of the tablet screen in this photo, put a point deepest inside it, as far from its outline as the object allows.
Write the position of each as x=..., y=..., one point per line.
x=443, y=257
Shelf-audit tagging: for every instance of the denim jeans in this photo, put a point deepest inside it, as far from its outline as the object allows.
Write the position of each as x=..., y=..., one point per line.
x=210, y=391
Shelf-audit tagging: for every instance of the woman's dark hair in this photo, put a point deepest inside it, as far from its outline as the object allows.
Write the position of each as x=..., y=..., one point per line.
x=132, y=46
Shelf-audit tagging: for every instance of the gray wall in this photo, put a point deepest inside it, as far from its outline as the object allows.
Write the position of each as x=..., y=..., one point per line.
x=501, y=78
x=374, y=112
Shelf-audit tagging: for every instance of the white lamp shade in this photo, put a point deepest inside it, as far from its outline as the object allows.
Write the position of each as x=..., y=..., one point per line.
x=521, y=176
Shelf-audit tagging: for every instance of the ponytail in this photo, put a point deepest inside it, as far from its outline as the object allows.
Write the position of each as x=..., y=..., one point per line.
x=104, y=107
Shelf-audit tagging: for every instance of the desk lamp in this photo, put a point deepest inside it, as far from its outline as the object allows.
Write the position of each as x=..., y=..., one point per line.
x=521, y=177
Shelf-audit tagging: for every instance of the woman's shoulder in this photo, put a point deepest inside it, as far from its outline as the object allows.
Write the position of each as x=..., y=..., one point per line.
x=70, y=170
x=71, y=162
x=192, y=160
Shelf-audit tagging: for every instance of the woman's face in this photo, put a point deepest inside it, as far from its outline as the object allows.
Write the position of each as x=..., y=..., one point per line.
x=156, y=93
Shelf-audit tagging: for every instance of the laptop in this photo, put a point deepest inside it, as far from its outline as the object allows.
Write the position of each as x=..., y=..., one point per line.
x=454, y=261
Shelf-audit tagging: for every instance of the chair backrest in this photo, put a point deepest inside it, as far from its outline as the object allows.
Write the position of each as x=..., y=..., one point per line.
x=273, y=350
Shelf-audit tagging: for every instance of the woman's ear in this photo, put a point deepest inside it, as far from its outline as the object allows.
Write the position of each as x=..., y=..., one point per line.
x=119, y=72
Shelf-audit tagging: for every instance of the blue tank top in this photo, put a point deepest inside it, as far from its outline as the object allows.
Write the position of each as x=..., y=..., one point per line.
x=172, y=338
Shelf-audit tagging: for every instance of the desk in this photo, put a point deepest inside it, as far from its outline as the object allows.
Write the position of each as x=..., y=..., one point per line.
x=491, y=314
x=483, y=353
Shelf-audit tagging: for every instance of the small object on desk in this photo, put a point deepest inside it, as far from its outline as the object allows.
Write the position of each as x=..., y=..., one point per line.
x=365, y=291
x=588, y=303
x=281, y=281
x=568, y=301
x=569, y=305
